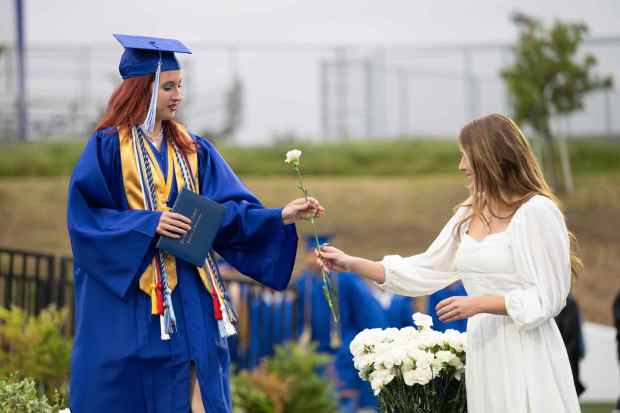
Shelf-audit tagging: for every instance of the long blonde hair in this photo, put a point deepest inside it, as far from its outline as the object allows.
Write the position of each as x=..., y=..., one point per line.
x=505, y=171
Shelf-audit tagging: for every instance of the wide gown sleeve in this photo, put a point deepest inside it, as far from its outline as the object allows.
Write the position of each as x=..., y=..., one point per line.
x=541, y=249
x=109, y=242
x=251, y=238
x=428, y=272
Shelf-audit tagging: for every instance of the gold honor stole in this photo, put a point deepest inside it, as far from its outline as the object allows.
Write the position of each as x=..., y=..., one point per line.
x=135, y=199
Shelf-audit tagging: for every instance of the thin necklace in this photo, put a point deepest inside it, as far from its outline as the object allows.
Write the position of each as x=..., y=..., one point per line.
x=157, y=141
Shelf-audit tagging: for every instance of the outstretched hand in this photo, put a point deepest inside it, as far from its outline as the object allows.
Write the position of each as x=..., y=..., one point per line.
x=301, y=208
x=332, y=259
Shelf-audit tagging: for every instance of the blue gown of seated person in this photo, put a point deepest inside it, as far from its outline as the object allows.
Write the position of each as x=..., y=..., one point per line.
x=312, y=308
x=119, y=362
x=435, y=298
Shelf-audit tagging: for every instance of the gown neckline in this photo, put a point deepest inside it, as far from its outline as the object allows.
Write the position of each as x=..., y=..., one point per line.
x=481, y=240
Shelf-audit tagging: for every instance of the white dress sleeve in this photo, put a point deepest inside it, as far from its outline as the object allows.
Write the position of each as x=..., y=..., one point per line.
x=428, y=272
x=541, y=250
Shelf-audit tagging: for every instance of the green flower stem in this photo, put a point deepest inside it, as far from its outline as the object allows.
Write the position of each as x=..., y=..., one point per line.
x=329, y=290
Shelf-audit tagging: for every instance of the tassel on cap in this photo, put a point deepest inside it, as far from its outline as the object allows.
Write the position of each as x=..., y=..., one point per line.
x=149, y=123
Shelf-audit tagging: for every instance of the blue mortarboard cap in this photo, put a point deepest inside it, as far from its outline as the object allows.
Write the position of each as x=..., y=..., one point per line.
x=142, y=55
x=311, y=242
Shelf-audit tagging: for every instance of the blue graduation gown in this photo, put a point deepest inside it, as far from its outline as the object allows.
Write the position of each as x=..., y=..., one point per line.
x=119, y=362
x=309, y=287
x=265, y=330
x=435, y=298
x=288, y=311
x=358, y=310
x=255, y=330
x=399, y=313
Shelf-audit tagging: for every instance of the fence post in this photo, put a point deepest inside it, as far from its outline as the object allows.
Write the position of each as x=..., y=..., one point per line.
x=403, y=87
x=38, y=291
x=8, y=290
x=24, y=281
x=324, y=93
x=62, y=281
x=51, y=261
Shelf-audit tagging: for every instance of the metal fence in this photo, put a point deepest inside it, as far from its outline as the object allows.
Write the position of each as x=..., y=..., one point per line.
x=33, y=281
x=299, y=91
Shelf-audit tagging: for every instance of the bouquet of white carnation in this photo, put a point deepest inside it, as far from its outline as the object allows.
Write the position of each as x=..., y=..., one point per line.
x=413, y=370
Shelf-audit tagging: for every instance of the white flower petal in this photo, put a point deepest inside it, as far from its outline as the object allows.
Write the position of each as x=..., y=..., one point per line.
x=293, y=156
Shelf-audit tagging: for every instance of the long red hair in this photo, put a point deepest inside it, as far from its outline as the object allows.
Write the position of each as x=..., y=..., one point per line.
x=128, y=106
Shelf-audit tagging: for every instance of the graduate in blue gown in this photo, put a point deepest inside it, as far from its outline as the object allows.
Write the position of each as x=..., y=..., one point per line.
x=151, y=329
x=437, y=297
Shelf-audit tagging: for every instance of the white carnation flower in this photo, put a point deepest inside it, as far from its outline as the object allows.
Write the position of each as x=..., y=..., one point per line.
x=364, y=361
x=445, y=356
x=455, y=339
x=418, y=376
x=365, y=341
x=407, y=365
x=429, y=338
x=380, y=378
x=457, y=363
x=293, y=156
x=422, y=320
x=407, y=334
x=437, y=366
x=423, y=360
x=459, y=374
x=409, y=377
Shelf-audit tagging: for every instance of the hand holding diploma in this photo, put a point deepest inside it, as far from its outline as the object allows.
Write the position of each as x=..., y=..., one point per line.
x=173, y=225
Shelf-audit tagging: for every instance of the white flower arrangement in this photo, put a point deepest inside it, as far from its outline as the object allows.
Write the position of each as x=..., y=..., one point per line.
x=413, y=370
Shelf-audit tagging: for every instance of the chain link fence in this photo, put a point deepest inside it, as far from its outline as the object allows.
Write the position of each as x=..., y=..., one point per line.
x=256, y=94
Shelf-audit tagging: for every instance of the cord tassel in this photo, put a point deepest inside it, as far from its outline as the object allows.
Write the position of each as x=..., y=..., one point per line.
x=149, y=122
x=225, y=326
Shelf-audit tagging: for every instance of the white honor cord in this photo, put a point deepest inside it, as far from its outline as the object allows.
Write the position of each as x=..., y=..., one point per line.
x=162, y=325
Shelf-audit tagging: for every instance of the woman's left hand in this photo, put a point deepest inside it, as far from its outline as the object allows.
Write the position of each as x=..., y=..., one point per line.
x=458, y=308
x=301, y=209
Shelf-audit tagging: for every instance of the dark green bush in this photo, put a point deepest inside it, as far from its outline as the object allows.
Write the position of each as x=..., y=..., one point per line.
x=285, y=383
x=35, y=347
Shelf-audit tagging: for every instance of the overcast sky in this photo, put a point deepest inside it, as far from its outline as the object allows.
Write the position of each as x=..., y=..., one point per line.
x=281, y=91
x=316, y=21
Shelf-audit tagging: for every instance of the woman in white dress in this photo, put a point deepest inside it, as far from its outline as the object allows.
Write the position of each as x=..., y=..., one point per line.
x=509, y=245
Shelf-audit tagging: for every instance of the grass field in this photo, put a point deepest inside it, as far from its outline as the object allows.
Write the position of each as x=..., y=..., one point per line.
x=596, y=408
x=371, y=217
x=379, y=157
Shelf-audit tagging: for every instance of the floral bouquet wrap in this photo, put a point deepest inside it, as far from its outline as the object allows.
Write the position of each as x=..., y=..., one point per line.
x=413, y=370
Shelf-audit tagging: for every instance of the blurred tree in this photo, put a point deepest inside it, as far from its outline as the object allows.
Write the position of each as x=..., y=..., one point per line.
x=547, y=79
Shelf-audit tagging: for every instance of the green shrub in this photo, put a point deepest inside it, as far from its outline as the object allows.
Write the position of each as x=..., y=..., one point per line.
x=22, y=396
x=35, y=347
x=285, y=383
